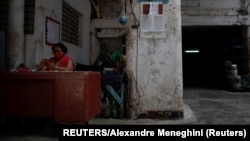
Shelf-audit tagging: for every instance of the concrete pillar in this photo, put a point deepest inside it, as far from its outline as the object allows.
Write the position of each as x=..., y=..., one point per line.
x=15, y=45
x=154, y=65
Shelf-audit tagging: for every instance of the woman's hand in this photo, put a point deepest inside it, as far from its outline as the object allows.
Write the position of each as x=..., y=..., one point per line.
x=51, y=66
x=43, y=65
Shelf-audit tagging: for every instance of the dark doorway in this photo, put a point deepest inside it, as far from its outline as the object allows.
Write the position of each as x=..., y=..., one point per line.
x=2, y=50
x=215, y=45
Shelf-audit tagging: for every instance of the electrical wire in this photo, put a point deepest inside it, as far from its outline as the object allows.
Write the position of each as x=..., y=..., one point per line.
x=137, y=22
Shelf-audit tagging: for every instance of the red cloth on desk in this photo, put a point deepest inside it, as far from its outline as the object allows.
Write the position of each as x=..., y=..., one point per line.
x=23, y=68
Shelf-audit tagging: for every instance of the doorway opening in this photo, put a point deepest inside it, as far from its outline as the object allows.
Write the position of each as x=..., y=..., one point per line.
x=212, y=47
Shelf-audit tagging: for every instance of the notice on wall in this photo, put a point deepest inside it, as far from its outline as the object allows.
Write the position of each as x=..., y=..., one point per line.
x=152, y=20
x=52, y=31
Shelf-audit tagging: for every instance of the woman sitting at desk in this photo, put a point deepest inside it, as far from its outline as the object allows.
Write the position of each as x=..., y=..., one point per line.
x=60, y=61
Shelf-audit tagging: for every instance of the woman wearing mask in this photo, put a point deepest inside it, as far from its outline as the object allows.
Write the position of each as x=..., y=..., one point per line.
x=60, y=61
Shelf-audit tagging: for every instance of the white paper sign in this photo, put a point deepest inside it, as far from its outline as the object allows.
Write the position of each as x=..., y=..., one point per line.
x=52, y=31
x=152, y=20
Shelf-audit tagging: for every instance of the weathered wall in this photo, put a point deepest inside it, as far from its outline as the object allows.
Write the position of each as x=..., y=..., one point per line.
x=35, y=44
x=154, y=66
x=214, y=12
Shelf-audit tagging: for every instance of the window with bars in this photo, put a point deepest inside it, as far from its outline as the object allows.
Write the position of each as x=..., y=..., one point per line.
x=70, y=24
x=29, y=16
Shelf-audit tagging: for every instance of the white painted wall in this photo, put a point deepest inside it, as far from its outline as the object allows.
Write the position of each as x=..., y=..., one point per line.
x=155, y=66
x=15, y=33
x=35, y=44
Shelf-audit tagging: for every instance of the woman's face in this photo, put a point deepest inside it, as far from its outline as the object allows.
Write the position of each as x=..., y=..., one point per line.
x=58, y=52
x=57, y=49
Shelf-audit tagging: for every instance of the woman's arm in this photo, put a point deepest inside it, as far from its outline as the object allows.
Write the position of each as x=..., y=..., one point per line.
x=69, y=67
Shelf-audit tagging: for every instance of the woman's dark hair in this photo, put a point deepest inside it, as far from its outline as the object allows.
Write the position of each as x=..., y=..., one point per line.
x=61, y=45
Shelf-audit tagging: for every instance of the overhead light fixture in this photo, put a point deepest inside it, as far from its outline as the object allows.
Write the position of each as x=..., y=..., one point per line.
x=192, y=51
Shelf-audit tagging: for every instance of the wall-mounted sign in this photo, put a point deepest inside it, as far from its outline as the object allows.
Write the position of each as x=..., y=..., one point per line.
x=152, y=20
x=52, y=31
x=164, y=1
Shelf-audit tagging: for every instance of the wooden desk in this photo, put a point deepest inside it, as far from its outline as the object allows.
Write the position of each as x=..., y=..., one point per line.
x=72, y=97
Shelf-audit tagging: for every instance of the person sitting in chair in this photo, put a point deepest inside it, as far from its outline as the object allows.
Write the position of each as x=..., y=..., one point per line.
x=59, y=62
